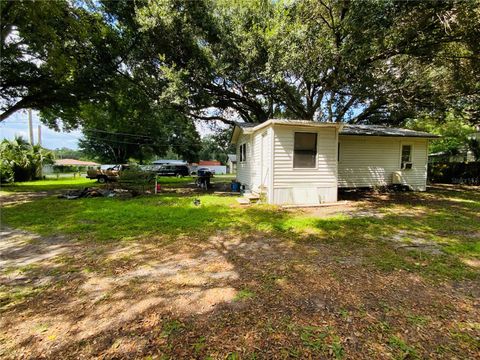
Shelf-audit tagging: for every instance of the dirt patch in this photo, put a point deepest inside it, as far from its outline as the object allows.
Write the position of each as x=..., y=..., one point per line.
x=414, y=240
x=21, y=248
x=24, y=197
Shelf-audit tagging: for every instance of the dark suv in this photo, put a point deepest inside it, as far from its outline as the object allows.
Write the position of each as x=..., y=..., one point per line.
x=173, y=170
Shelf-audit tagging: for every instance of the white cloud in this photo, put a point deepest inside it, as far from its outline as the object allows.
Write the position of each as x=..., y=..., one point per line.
x=17, y=124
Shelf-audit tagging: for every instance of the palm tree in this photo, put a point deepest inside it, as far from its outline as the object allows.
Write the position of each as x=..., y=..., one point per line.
x=21, y=160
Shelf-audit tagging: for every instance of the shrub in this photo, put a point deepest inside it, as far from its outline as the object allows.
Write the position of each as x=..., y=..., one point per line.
x=136, y=179
x=455, y=173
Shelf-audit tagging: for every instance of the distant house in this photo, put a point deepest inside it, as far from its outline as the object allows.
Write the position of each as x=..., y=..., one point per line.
x=305, y=162
x=169, y=162
x=462, y=154
x=213, y=165
x=67, y=165
x=232, y=164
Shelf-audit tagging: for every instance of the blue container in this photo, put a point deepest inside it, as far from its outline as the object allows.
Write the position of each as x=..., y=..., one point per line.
x=235, y=186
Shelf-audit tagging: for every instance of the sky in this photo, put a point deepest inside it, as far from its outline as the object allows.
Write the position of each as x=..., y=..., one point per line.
x=17, y=124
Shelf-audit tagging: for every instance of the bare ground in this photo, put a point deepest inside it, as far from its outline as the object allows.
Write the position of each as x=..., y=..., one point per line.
x=247, y=294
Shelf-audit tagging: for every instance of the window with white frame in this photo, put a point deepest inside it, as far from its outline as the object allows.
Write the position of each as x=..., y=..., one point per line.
x=407, y=157
x=243, y=152
x=305, y=150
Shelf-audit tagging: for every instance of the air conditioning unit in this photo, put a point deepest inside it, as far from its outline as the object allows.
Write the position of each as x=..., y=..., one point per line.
x=407, y=165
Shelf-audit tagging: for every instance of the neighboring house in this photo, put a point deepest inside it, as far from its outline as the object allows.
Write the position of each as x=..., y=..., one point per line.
x=169, y=162
x=463, y=153
x=232, y=163
x=305, y=162
x=62, y=165
x=214, y=165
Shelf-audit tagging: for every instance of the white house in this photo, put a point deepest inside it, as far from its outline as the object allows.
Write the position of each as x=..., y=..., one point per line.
x=305, y=162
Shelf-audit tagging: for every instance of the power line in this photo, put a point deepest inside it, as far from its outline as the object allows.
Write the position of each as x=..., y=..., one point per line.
x=116, y=133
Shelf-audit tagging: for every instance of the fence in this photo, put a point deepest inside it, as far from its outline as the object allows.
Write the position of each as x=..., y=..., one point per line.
x=455, y=173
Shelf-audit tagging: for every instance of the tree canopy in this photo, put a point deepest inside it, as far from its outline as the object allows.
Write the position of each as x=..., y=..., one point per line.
x=54, y=56
x=326, y=60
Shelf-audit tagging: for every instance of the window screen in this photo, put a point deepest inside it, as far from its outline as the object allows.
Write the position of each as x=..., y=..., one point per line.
x=406, y=153
x=406, y=156
x=305, y=150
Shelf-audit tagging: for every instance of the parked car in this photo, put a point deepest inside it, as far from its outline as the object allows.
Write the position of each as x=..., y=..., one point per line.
x=173, y=170
x=103, y=175
x=204, y=169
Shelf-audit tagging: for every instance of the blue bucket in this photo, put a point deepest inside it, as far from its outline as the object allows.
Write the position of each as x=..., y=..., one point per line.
x=235, y=186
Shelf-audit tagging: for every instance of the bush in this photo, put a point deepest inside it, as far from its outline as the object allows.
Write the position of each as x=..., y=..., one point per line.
x=455, y=173
x=136, y=179
x=6, y=172
x=22, y=161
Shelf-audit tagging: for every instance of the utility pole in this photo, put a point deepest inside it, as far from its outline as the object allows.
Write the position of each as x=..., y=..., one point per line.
x=30, y=126
x=39, y=135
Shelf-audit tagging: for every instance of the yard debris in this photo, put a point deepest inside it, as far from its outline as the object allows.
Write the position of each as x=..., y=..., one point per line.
x=87, y=193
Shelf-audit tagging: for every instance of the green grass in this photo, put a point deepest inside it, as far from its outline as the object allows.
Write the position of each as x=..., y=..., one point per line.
x=48, y=185
x=447, y=218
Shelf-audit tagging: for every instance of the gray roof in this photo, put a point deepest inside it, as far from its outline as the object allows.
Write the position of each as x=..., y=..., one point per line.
x=362, y=130
x=245, y=125
x=379, y=130
x=232, y=157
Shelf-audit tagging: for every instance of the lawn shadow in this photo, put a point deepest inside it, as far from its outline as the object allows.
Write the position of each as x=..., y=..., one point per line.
x=187, y=281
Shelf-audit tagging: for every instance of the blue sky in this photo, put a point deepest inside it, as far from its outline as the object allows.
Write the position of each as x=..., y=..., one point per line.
x=17, y=124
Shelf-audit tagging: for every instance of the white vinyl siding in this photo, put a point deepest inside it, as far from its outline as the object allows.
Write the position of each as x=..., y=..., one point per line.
x=304, y=185
x=371, y=161
x=243, y=168
x=325, y=171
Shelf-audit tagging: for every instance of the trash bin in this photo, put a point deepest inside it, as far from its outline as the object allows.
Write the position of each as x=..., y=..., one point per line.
x=235, y=186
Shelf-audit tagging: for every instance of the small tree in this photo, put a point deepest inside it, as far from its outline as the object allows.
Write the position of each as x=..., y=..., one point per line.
x=22, y=161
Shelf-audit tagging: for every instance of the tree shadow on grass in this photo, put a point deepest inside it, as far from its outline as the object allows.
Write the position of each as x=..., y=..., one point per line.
x=146, y=296
x=227, y=292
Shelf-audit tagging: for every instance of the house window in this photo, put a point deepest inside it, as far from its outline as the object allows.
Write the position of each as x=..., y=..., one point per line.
x=406, y=156
x=305, y=150
x=243, y=152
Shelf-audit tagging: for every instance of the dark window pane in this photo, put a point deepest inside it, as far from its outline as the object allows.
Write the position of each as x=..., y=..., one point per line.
x=305, y=141
x=305, y=150
x=406, y=153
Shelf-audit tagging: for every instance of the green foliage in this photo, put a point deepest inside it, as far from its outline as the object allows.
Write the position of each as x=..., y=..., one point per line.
x=136, y=179
x=172, y=327
x=403, y=350
x=55, y=55
x=244, y=294
x=134, y=74
x=473, y=145
x=66, y=153
x=130, y=126
x=454, y=129
x=337, y=61
x=21, y=161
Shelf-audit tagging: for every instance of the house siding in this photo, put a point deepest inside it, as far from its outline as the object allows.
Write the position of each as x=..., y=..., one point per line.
x=304, y=186
x=243, y=167
x=371, y=161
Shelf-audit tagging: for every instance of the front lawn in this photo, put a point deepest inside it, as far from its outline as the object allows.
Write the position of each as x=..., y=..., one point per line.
x=48, y=185
x=389, y=275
